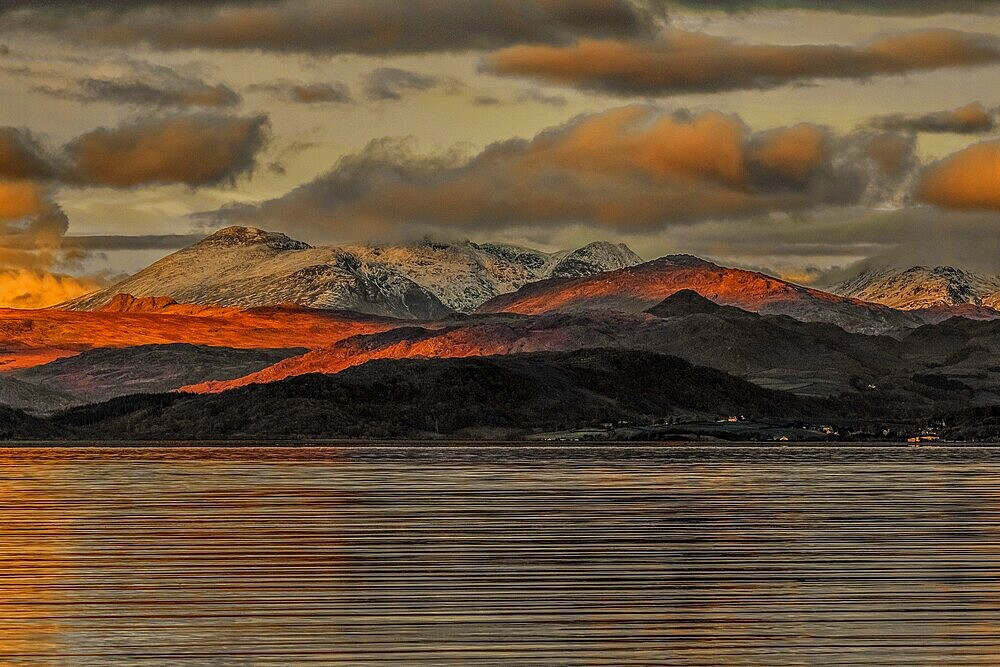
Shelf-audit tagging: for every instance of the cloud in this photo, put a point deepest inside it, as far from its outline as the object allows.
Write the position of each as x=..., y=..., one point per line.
x=486, y=101
x=21, y=199
x=526, y=96
x=971, y=119
x=373, y=27
x=194, y=150
x=966, y=180
x=32, y=227
x=22, y=156
x=540, y=97
x=686, y=62
x=122, y=80
x=306, y=93
x=118, y=242
x=32, y=288
x=187, y=93
x=905, y=7
x=629, y=169
x=391, y=83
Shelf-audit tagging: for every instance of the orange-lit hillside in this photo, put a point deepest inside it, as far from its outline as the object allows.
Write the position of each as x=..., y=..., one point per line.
x=472, y=340
x=32, y=337
x=640, y=287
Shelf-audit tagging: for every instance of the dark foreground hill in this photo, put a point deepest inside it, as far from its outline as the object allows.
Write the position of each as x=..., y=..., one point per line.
x=507, y=395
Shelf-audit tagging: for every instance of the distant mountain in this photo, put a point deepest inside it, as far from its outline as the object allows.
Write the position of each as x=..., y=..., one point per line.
x=637, y=288
x=244, y=266
x=922, y=287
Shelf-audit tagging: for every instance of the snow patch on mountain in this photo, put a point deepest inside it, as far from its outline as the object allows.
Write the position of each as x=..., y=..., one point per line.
x=922, y=287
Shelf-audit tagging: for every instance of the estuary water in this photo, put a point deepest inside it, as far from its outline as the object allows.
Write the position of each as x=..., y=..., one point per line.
x=500, y=555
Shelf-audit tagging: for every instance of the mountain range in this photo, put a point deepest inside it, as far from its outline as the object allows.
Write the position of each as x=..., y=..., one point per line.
x=248, y=267
x=246, y=309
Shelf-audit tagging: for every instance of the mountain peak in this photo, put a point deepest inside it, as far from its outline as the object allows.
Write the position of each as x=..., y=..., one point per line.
x=248, y=236
x=690, y=302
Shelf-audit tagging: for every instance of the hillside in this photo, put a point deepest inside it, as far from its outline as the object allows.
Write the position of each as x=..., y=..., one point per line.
x=34, y=337
x=637, y=288
x=103, y=373
x=426, y=397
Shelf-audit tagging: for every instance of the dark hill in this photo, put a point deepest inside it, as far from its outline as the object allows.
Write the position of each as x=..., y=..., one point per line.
x=420, y=397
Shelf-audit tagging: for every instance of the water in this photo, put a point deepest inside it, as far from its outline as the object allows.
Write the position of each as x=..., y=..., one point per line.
x=499, y=555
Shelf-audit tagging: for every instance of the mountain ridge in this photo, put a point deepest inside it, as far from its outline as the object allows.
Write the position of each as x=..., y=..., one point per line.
x=247, y=267
x=921, y=287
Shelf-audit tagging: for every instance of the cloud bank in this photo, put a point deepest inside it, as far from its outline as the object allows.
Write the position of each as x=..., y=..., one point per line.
x=630, y=169
x=371, y=27
x=688, y=62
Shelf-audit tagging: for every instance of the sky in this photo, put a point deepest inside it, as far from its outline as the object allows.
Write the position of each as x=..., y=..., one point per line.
x=757, y=133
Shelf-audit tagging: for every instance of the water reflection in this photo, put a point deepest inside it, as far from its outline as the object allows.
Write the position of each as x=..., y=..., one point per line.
x=499, y=556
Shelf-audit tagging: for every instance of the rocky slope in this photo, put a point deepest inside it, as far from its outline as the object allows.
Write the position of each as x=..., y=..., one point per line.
x=637, y=288
x=923, y=288
x=244, y=266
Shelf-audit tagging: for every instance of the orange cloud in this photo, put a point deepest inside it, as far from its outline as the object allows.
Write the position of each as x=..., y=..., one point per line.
x=682, y=62
x=19, y=199
x=634, y=168
x=793, y=153
x=194, y=150
x=966, y=180
x=28, y=288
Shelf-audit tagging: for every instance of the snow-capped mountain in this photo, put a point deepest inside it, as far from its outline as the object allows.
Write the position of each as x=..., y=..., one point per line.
x=245, y=266
x=922, y=287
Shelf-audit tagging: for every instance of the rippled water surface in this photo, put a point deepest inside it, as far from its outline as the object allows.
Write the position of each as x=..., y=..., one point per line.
x=500, y=555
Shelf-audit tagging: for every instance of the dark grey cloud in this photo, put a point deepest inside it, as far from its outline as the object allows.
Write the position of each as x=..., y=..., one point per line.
x=22, y=156
x=307, y=93
x=116, y=242
x=541, y=97
x=919, y=236
x=339, y=26
x=486, y=101
x=633, y=169
x=142, y=93
x=972, y=118
x=392, y=83
x=527, y=96
x=134, y=82
x=685, y=62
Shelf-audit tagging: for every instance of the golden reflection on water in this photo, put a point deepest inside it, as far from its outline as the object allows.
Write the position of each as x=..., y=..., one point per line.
x=498, y=556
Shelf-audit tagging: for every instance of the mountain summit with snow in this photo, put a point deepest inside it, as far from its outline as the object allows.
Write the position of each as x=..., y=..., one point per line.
x=249, y=267
x=922, y=287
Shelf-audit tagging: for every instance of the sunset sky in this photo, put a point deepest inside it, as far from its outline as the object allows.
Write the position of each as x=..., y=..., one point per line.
x=758, y=134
